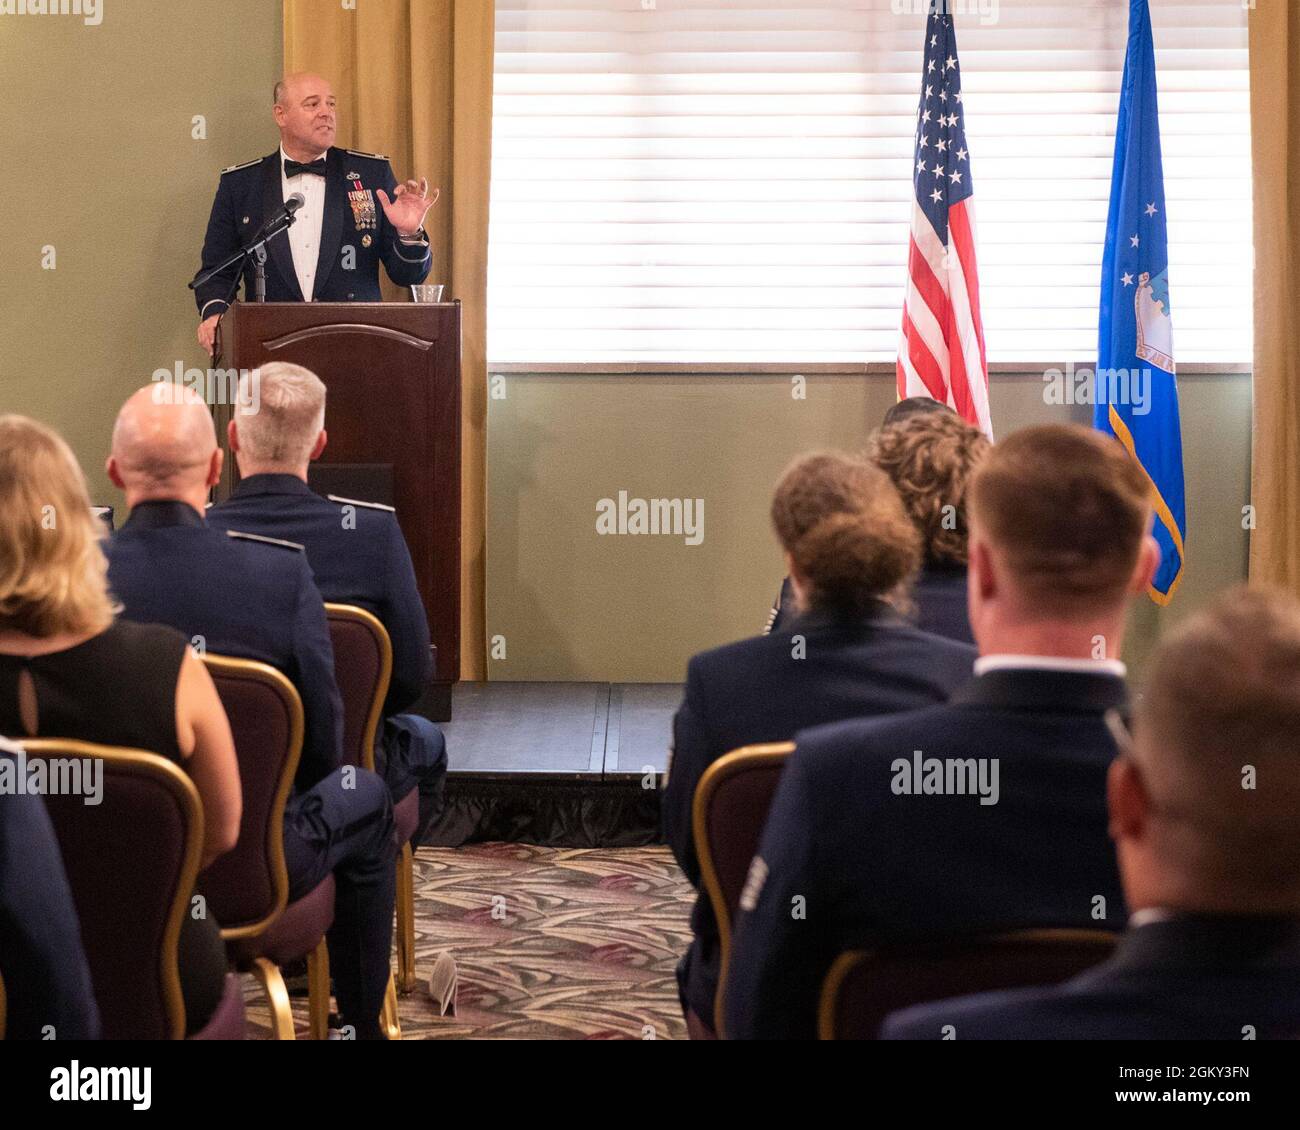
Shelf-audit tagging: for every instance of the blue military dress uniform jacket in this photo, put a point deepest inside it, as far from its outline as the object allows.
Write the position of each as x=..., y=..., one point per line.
x=864, y=857
x=355, y=234
x=237, y=592
x=358, y=556
x=820, y=668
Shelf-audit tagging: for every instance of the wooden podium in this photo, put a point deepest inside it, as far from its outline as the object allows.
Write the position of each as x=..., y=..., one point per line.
x=393, y=416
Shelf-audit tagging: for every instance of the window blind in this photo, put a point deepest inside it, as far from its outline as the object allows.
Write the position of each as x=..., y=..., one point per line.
x=729, y=180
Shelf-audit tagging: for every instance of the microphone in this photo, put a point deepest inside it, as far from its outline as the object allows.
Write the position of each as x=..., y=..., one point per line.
x=281, y=218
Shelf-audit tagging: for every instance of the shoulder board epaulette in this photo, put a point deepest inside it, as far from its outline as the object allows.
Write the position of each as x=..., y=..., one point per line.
x=245, y=165
x=358, y=502
x=265, y=540
x=372, y=156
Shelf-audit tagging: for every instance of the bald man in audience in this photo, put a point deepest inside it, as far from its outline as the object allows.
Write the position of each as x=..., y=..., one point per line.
x=357, y=553
x=253, y=597
x=1205, y=814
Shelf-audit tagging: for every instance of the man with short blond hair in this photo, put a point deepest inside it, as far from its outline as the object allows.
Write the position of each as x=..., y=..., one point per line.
x=986, y=813
x=1205, y=813
x=358, y=556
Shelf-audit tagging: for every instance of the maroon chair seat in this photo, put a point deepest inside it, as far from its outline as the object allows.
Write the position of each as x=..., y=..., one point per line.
x=229, y=1021
x=863, y=987
x=295, y=932
x=248, y=887
x=131, y=862
x=363, y=668
x=728, y=812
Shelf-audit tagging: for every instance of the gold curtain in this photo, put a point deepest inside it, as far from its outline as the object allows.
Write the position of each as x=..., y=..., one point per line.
x=1275, y=144
x=414, y=81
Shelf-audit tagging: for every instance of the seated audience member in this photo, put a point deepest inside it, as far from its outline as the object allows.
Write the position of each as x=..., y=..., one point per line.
x=851, y=552
x=930, y=458
x=42, y=966
x=1205, y=812
x=69, y=669
x=986, y=813
x=253, y=597
x=357, y=555
x=906, y=409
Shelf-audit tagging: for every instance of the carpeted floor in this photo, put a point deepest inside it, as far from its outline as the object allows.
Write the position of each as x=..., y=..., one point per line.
x=550, y=943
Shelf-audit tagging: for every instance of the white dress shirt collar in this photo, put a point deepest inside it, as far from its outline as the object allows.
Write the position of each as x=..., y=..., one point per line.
x=987, y=663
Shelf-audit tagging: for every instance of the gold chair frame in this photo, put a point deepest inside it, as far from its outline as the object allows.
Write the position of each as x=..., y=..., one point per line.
x=727, y=766
x=405, y=902
x=152, y=766
x=851, y=960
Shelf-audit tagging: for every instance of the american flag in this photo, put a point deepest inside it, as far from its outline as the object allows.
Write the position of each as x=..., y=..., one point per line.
x=941, y=352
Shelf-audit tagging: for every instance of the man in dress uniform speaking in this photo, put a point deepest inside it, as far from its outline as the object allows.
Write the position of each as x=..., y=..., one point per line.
x=354, y=214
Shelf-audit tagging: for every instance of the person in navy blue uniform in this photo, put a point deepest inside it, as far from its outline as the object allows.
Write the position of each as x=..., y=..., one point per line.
x=929, y=452
x=356, y=215
x=254, y=597
x=46, y=977
x=356, y=551
x=852, y=552
x=986, y=813
x=1211, y=869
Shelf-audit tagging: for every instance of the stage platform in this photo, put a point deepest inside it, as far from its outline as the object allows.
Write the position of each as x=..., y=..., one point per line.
x=559, y=764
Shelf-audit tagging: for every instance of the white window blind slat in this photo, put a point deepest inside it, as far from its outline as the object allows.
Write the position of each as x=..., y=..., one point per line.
x=730, y=180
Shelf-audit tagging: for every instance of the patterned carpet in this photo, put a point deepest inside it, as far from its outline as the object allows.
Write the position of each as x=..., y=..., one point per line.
x=550, y=943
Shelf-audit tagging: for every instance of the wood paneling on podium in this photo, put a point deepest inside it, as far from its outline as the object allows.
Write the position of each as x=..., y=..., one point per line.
x=392, y=370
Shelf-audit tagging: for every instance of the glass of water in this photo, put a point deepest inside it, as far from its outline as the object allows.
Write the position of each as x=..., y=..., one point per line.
x=427, y=293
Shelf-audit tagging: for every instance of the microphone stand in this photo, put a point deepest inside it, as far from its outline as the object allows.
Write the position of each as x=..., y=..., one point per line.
x=256, y=251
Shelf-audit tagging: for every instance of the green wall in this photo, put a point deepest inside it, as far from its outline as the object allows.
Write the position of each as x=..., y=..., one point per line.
x=567, y=603
x=101, y=164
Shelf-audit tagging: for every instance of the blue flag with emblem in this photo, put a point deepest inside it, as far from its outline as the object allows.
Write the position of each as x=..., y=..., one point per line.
x=1136, y=392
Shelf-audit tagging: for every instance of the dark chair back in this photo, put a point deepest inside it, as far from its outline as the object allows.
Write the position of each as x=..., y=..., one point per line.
x=363, y=666
x=131, y=862
x=249, y=886
x=728, y=812
x=863, y=987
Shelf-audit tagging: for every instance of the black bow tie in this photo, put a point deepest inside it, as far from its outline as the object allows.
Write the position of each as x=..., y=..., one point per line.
x=293, y=168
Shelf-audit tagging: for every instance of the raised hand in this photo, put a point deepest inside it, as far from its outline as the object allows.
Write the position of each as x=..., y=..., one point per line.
x=410, y=204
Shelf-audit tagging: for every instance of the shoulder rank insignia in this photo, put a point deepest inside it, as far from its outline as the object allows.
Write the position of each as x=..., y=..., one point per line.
x=372, y=156
x=245, y=165
x=358, y=502
x=265, y=540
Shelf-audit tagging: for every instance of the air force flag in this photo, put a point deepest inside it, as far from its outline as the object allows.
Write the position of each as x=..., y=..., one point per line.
x=1135, y=337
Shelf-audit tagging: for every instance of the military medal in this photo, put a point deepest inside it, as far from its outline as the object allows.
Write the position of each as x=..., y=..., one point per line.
x=366, y=241
x=363, y=206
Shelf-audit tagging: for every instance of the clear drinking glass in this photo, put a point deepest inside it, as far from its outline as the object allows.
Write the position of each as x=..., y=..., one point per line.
x=427, y=293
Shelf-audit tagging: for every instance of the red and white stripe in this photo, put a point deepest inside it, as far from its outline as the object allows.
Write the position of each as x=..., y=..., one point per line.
x=941, y=351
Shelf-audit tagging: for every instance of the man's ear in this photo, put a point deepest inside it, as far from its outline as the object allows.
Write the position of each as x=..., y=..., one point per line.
x=214, y=467
x=982, y=577
x=797, y=580
x=319, y=446
x=232, y=436
x=114, y=474
x=1147, y=563
x=1127, y=800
